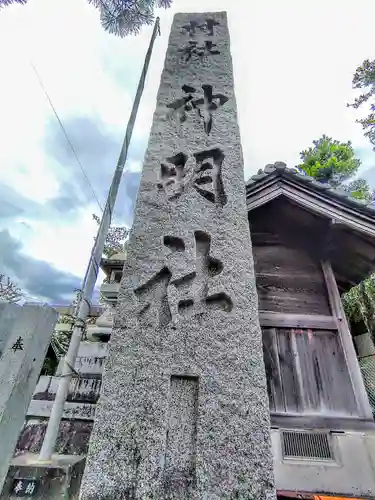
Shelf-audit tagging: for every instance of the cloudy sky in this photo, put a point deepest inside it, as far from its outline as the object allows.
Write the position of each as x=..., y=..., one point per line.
x=293, y=63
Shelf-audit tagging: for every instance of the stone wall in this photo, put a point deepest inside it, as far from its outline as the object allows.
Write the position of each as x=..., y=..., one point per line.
x=73, y=437
x=81, y=389
x=79, y=412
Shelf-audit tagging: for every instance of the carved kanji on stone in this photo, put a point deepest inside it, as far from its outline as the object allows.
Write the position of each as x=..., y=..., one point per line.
x=185, y=369
x=204, y=106
x=153, y=299
x=208, y=181
x=18, y=345
x=172, y=175
x=179, y=107
x=199, y=50
x=207, y=27
x=205, y=178
x=192, y=289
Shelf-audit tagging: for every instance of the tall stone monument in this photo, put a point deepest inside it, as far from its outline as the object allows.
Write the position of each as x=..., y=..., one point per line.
x=184, y=412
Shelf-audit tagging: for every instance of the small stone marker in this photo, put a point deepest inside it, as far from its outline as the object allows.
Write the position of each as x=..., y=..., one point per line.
x=23, y=487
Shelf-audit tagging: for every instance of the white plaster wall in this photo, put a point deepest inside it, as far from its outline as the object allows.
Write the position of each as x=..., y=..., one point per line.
x=352, y=472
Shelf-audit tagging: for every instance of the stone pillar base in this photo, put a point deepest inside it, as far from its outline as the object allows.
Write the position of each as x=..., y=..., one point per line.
x=58, y=480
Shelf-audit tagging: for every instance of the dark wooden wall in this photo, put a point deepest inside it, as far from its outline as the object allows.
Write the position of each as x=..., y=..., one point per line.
x=289, y=281
x=307, y=373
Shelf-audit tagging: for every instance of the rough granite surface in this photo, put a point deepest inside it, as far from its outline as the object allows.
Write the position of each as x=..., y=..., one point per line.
x=183, y=412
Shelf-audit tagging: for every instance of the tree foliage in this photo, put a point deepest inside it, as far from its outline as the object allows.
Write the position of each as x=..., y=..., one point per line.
x=5, y=3
x=334, y=162
x=360, y=189
x=126, y=17
x=9, y=292
x=329, y=161
x=359, y=304
x=121, y=17
x=364, y=78
x=115, y=239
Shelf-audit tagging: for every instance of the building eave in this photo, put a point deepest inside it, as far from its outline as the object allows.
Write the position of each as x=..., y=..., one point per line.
x=314, y=196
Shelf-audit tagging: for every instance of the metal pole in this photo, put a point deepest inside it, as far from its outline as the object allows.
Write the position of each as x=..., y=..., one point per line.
x=91, y=275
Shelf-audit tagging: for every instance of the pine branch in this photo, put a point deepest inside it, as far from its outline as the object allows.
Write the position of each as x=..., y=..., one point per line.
x=5, y=3
x=126, y=17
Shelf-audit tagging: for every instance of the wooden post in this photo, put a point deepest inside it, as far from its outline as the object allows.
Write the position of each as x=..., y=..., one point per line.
x=347, y=342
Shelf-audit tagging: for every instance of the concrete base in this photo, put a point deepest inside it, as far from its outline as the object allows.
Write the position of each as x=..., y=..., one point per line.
x=351, y=472
x=59, y=480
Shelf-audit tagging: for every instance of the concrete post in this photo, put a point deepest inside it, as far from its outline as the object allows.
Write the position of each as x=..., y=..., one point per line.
x=25, y=334
x=184, y=410
x=92, y=270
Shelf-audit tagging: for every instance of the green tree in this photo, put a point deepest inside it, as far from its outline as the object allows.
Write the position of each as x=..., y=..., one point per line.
x=115, y=239
x=360, y=189
x=126, y=17
x=334, y=162
x=364, y=78
x=329, y=161
x=359, y=304
x=121, y=17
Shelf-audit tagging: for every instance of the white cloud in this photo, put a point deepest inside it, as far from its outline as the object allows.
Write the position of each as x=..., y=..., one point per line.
x=62, y=243
x=133, y=166
x=293, y=64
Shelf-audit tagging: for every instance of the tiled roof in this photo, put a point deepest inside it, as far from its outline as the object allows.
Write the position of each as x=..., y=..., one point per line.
x=279, y=169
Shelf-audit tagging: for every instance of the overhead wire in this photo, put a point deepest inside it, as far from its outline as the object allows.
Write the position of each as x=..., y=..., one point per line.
x=66, y=136
x=77, y=159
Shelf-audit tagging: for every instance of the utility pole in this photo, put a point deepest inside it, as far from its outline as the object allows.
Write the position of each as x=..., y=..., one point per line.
x=83, y=305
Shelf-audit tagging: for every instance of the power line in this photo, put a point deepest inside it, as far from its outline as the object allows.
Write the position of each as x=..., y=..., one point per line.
x=66, y=136
x=85, y=297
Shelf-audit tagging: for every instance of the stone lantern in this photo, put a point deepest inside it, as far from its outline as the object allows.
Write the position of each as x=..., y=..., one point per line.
x=112, y=267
